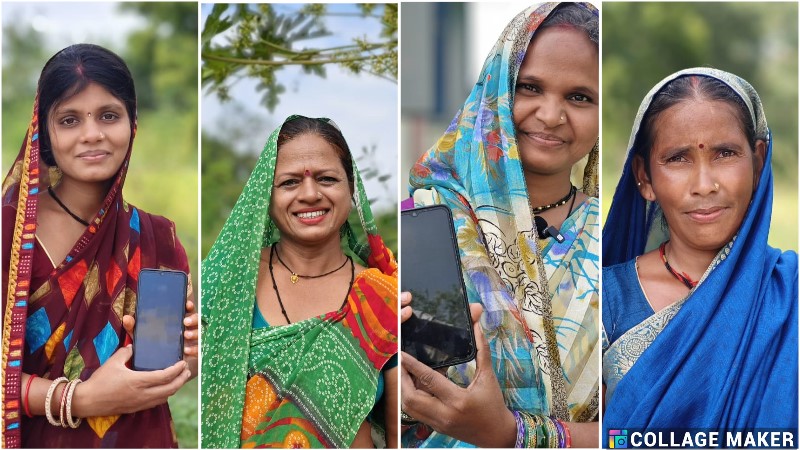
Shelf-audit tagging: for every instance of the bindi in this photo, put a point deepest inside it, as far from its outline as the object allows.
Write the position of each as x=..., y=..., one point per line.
x=702, y=146
x=307, y=173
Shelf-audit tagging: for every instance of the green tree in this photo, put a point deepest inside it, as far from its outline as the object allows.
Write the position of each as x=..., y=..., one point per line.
x=257, y=41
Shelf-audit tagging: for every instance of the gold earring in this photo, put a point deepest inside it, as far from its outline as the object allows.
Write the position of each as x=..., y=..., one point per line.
x=639, y=184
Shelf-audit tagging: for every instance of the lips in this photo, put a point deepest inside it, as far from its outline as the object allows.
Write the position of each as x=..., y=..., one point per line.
x=94, y=155
x=706, y=215
x=544, y=139
x=311, y=216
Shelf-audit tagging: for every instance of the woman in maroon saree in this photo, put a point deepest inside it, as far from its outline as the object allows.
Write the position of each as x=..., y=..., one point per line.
x=72, y=252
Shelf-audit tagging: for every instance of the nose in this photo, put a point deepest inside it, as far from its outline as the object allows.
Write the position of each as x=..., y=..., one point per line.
x=550, y=111
x=704, y=181
x=91, y=131
x=308, y=190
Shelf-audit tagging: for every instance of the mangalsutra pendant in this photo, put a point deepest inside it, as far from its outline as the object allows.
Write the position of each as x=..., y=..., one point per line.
x=294, y=278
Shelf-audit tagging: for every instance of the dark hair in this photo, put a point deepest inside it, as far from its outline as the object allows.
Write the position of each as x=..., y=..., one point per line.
x=574, y=16
x=300, y=125
x=68, y=73
x=681, y=89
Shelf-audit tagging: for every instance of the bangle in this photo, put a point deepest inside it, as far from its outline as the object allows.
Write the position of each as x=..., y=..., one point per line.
x=71, y=386
x=62, y=405
x=520, y=430
x=27, y=391
x=560, y=429
x=568, y=438
x=49, y=400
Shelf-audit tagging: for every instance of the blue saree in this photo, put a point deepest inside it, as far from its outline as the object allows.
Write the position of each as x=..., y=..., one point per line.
x=725, y=356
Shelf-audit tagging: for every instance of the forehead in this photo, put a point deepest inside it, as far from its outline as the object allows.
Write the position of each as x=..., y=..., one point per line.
x=308, y=151
x=562, y=54
x=91, y=97
x=694, y=120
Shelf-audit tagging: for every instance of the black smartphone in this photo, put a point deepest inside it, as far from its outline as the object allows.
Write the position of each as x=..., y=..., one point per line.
x=439, y=334
x=160, y=307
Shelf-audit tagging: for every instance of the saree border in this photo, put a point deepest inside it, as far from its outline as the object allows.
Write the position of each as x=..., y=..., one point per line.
x=623, y=353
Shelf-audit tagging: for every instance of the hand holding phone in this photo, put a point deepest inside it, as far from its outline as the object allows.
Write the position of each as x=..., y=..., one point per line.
x=160, y=307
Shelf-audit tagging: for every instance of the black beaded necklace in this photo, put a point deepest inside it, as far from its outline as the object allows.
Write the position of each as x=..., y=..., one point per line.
x=278, y=294
x=64, y=207
x=294, y=277
x=563, y=201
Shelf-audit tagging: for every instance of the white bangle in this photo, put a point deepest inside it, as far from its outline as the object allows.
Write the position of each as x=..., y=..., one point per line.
x=49, y=400
x=71, y=386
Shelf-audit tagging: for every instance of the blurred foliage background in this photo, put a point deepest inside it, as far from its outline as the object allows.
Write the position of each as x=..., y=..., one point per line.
x=272, y=52
x=645, y=42
x=161, y=51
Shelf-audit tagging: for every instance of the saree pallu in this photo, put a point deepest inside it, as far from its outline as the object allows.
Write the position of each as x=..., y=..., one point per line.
x=313, y=383
x=71, y=322
x=725, y=356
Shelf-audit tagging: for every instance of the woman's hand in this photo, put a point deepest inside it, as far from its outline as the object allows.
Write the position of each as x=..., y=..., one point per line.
x=115, y=389
x=190, y=334
x=405, y=303
x=461, y=413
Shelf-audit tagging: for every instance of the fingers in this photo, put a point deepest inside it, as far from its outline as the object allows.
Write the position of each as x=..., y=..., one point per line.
x=406, y=313
x=121, y=356
x=483, y=357
x=428, y=379
x=405, y=298
x=129, y=323
x=475, y=311
x=163, y=377
x=190, y=321
x=189, y=306
x=164, y=391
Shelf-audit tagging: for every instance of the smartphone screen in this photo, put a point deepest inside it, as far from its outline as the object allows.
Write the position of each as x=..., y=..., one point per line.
x=440, y=332
x=158, y=334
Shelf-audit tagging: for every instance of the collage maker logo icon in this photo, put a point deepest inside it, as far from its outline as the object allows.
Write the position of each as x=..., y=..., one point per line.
x=617, y=438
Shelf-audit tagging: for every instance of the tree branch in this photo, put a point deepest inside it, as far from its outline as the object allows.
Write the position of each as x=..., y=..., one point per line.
x=261, y=62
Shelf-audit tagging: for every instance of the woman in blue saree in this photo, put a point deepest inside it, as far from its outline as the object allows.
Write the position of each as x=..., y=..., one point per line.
x=699, y=313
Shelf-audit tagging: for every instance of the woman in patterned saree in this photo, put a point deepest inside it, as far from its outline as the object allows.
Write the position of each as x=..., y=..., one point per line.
x=699, y=313
x=72, y=252
x=506, y=158
x=287, y=362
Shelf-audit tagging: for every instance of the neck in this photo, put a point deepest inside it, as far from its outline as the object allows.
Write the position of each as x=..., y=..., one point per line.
x=691, y=261
x=546, y=189
x=306, y=259
x=83, y=199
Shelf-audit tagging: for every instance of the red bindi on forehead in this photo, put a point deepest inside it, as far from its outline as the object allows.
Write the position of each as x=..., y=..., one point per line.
x=307, y=173
x=702, y=146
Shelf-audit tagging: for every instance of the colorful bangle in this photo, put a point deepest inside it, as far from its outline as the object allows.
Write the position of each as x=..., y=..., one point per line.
x=560, y=428
x=71, y=386
x=48, y=400
x=25, y=402
x=568, y=437
x=520, y=430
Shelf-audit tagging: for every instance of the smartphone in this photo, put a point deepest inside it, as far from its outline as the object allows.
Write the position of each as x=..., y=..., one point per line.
x=160, y=307
x=439, y=333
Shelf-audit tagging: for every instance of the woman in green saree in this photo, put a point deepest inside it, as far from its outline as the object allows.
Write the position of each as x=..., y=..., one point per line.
x=287, y=362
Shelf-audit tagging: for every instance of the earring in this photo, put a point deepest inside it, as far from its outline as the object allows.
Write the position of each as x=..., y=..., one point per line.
x=639, y=184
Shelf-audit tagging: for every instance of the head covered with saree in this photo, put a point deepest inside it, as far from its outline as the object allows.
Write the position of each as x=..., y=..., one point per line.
x=65, y=318
x=309, y=383
x=725, y=356
x=540, y=310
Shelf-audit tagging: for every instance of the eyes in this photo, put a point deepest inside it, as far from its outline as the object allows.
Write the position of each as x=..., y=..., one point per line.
x=72, y=120
x=532, y=89
x=293, y=181
x=684, y=156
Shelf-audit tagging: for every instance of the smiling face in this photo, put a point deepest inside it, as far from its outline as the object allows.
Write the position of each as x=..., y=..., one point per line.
x=556, y=112
x=703, y=171
x=89, y=135
x=311, y=193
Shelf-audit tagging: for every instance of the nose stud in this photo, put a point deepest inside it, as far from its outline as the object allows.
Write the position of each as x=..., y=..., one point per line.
x=716, y=186
x=102, y=136
x=319, y=194
x=563, y=118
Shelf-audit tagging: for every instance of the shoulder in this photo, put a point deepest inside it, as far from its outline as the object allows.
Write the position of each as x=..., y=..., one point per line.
x=618, y=281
